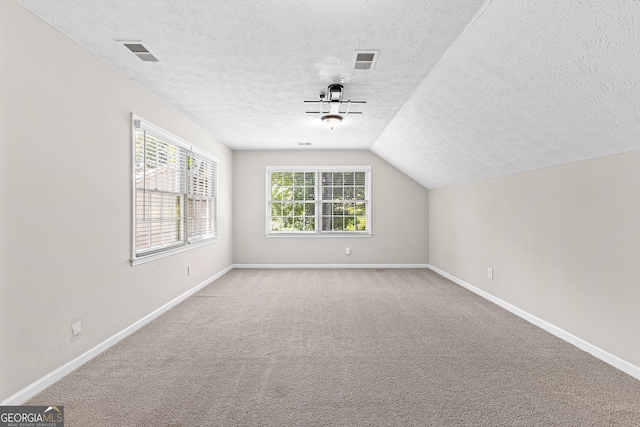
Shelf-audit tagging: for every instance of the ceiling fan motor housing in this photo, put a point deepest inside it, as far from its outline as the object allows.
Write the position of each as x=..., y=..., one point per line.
x=335, y=92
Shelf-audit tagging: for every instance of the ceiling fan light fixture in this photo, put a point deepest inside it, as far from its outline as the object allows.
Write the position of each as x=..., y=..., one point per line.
x=331, y=120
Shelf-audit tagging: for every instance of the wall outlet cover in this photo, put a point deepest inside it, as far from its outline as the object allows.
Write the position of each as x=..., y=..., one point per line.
x=76, y=328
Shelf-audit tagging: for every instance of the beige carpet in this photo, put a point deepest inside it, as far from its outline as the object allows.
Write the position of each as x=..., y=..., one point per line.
x=346, y=347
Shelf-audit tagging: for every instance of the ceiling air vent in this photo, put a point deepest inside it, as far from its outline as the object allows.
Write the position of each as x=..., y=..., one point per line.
x=365, y=59
x=139, y=50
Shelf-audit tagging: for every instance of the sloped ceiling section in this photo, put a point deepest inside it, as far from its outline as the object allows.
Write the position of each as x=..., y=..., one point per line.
x=528, y=85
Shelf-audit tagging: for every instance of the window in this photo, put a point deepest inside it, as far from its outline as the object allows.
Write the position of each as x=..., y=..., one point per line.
x=318, y=201
x=174, y=188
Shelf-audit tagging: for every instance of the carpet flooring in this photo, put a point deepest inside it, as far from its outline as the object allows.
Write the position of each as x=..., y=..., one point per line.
x=343, y=347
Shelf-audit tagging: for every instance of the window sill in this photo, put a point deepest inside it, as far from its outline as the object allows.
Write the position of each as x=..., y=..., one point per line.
x=152, y=257
x=313, y=235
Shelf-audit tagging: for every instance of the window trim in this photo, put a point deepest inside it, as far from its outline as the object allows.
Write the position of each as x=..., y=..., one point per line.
x=318, y=170
x=138, y=122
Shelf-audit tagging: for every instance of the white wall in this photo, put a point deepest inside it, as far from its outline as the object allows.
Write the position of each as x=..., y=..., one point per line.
x=564, y=243
x=66, y=202
x=399, y=212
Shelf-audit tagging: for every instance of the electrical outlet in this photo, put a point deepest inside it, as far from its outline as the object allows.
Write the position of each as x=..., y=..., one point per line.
x=348, y=251
x=188, y=270
x=490, y=273
x=76, y=328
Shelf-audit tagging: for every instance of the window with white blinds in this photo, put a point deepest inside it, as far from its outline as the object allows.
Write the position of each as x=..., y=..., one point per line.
x=318, y=201
x=174, y=192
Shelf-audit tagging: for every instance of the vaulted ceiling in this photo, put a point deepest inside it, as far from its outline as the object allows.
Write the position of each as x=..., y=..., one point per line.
x=462, y=90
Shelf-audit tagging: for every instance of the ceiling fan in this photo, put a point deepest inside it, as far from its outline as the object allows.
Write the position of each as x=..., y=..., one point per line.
x=332, y=107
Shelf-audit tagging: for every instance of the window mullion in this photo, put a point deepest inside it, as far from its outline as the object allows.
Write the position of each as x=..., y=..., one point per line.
x=144, y=175
x=269, y=200
x=184, y=215
x=318, y=200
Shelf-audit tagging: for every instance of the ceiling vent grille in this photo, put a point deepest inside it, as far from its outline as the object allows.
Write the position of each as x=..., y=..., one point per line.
x=139, y=50
x=365, y=59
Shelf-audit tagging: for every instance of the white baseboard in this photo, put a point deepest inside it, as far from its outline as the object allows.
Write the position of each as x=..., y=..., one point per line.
x=36, y=387
x=331, y=265
x=609, y=358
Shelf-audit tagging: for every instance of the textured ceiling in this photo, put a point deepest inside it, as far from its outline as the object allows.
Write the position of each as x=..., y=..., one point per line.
x=463, y=89
x=528, y=85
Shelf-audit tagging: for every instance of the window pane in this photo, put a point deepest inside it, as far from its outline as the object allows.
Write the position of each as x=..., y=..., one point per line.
x=201, y=196
x=276, y=209
x=163, y=165
x=337, y=193
x=327, y=178
x=310, y=193
x=349, y=193
x=287, y=224
x=326, y=223
x=345, y=216
x=349, y=208
x=310, y=179
x=310, y=224
x=287, y=209
x=287, y=193
x=158, y=220
x=295, y=188
x=310, y=209
x=326, y=193
x=349, y=224
x=349, y=178
x=276, y=178
x=298, y=193
x=298, y=178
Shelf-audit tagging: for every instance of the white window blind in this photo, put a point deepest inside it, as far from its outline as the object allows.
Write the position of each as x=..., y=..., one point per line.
x=174, y=191
x=318, y=201
x=159, y=176
x=201, y=198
